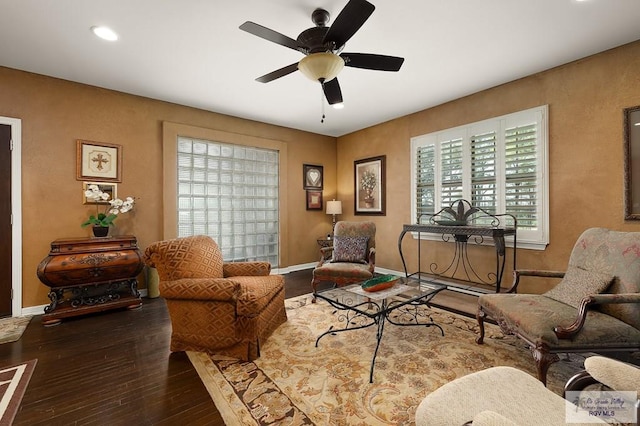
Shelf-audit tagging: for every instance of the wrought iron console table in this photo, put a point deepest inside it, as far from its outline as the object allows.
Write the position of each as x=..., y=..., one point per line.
x=462, y=225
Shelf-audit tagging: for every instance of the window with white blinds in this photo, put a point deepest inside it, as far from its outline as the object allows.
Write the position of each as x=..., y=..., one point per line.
x=229, y=192
x=498, y=164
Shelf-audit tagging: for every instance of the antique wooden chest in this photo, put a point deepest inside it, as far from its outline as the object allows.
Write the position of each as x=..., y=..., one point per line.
x=88, y=275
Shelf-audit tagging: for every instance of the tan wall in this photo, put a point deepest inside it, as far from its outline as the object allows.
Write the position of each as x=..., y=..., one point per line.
x=585, y=99
x=55, y=113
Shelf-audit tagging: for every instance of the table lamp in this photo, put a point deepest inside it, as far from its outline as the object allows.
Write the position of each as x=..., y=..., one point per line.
x=334, y=207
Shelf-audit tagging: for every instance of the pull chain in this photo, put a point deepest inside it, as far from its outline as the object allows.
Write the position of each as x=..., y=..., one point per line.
x=322, y=102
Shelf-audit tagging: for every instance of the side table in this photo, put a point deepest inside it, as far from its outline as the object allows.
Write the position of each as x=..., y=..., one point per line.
x=325, y=242
x=89, y=275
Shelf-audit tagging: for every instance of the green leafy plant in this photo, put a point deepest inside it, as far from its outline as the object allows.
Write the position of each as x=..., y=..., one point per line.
x=111, y=210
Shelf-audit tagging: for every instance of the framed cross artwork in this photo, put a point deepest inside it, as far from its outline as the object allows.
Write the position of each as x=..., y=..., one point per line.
x=98, y=161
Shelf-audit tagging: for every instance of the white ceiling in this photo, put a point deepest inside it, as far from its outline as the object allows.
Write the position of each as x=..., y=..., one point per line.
x=191, y=52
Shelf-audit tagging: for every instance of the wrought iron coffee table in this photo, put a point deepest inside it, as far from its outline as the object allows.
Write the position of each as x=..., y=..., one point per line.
x=398, y=305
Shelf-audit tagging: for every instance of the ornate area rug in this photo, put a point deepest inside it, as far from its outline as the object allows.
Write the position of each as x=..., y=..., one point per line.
x=295, y=383
x=13, y=383
x=11, y=329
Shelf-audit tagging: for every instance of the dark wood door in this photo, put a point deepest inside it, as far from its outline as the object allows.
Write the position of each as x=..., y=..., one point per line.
x=5, y=220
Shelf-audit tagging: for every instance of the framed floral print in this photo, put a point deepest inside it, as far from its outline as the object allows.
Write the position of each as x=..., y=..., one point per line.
x=98, y=161
x=110, y=189
x=370, y=186
x=312, y=177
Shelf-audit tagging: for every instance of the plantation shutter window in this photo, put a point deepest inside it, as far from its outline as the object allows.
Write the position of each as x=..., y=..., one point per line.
x=451, y=171
x=521, y=190
x=499, y=165
x=425, y=180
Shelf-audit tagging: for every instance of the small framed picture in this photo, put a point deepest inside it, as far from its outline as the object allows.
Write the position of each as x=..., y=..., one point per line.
x=314, y=200
x=312, y=177
x=370, y=186
x=98, y=161
x=109, y=188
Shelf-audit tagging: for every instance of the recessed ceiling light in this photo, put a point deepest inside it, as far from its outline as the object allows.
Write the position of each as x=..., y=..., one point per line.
x=105, y=33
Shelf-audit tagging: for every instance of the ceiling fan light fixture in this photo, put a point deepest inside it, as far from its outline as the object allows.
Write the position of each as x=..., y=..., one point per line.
x=323, y=67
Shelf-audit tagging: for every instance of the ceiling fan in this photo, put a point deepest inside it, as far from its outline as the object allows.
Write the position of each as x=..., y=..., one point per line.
x=322, y=47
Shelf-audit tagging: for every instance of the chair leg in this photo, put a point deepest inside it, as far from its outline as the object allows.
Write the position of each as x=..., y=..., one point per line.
x=579, y=382
x=543, y=360
x=480, y=317
x=314, y=283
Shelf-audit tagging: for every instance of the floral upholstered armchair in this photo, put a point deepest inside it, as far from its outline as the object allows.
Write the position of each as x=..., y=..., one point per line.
x=216, y=307
x=595, y=308
x=353, y=255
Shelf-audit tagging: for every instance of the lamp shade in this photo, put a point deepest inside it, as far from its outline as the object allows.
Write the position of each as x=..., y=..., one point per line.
x=334, y=207
x=323, y=67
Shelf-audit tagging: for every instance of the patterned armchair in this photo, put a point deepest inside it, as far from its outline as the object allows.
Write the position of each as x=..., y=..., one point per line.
x=595, y=308
x=216, y=307
x=353, y=255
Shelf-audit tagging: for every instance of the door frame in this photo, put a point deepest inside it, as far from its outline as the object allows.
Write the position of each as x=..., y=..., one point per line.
x=16, y=213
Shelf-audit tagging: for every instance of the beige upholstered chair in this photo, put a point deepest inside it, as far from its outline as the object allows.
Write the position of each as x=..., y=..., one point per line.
x=508, y=396
x=595, y=308
x=495, y=396
x=216, y=307
x=352, y=255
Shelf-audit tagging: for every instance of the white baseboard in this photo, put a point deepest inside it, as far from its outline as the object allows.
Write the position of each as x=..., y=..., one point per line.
x=33, y=310
x=386, y=271
x=294, y=268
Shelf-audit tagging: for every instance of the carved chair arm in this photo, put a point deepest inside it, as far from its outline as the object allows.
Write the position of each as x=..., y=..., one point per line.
x=246, y=269
x=593, y=299
x=219, y=289
x=324, y=255
x=531, y=273
x=372, y=258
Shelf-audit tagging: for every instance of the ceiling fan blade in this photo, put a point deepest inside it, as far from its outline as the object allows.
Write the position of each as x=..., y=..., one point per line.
x=372, y=62
x=271, y=35
x=348, y=21
x=332, y=91
x=278, y=73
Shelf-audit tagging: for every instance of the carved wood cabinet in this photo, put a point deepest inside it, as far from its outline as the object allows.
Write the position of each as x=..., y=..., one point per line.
x=87, y=275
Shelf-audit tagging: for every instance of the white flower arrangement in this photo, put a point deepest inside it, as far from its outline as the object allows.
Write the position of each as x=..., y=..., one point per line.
x=115, y=207
x=368, y=181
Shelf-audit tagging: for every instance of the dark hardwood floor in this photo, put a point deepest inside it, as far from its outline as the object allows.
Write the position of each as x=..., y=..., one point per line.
x=115, y=368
